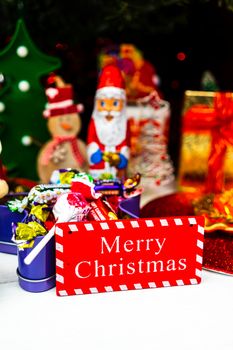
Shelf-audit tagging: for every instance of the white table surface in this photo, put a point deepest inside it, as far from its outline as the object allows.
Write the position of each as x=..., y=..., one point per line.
x=184, y=318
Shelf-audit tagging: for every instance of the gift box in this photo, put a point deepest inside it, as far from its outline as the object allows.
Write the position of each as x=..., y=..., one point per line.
x=218, y=237
x=218, y=252
x=206, y=143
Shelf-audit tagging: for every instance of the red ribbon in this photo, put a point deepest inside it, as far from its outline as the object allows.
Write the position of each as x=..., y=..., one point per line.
x=219, y=120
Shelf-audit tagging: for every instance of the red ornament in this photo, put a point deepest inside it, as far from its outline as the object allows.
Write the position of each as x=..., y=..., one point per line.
x=181, y=56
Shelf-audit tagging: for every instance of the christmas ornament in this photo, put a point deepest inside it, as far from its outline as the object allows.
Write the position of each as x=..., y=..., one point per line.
x=208, y=82
x=150, y=157
x=108, y=138
x=143, y=79
x=3, y=184
x=65, y=150
x=140, y=75
x=22, y=51
x=21, y=101
x=2, y=107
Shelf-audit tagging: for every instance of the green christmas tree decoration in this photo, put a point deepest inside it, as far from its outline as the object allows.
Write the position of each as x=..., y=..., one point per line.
x=22, y=100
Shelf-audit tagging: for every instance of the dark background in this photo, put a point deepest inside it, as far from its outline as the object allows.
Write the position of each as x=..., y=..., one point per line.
x=76, y=32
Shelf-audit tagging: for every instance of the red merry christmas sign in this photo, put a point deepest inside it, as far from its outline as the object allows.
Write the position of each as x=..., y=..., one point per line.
x=105, y=256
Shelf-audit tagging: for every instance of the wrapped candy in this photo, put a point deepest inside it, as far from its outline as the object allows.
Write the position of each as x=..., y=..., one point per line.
x=101, y=210
x=40, y=212
x=79, y=202
x=109, y=187
x=130, y=186
x=71, y=207
x=39, y=194
x=68, y=207
x=86, y=187
x=33, y=226
x=63, y=176
x=18, y=205
x=47, y=193
x=26, y=233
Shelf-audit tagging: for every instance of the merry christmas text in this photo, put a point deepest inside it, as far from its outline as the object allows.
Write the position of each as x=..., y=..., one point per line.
x=85, y=269
x=128, y=246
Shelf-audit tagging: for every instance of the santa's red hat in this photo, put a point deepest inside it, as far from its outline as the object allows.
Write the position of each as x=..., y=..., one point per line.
x=111, y=83
x=60, y=101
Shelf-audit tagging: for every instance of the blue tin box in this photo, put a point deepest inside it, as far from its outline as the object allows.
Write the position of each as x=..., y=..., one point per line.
x=6, y=219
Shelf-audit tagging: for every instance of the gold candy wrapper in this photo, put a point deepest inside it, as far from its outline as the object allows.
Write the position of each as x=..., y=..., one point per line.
x=66, y=177
x=27, y=232
x=40, y=212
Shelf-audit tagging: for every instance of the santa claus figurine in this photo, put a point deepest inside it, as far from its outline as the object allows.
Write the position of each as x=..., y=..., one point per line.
x=108, y=132
x=65, y=149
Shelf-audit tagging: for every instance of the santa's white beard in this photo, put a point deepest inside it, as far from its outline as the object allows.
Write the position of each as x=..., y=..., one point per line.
x=110, y=133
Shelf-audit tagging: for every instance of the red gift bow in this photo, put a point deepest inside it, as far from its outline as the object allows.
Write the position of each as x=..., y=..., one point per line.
x=218, y=119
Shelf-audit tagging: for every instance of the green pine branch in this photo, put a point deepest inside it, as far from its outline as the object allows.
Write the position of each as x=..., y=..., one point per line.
x=78, y=21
